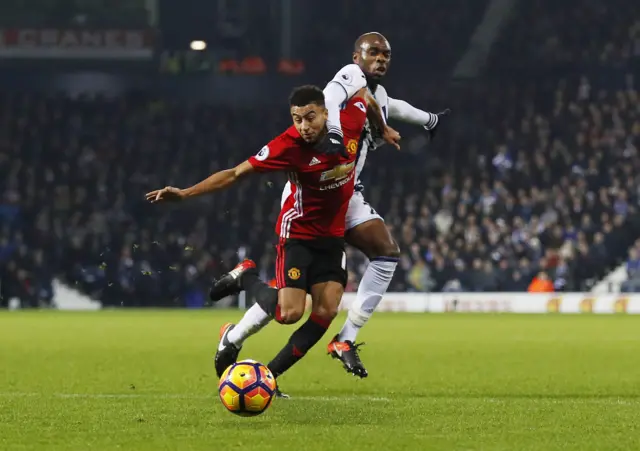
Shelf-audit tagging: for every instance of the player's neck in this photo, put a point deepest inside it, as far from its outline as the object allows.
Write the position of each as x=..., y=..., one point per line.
x=322, y=134
x=372, y=84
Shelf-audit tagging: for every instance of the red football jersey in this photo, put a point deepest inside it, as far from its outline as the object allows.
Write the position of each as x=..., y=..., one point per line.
x=321, y=185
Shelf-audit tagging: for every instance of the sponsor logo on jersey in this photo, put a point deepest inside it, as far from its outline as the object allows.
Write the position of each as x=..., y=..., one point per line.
x=263, y=154
x=337, y=172
x=352, y=146
x=337, y=184
x=361, y=106
x=314, y=161
x=294, y=273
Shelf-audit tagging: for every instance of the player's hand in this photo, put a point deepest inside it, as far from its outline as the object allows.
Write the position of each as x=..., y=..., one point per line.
x=332, y=144
x=434, y=129
x=166, y=194
x=391, y=136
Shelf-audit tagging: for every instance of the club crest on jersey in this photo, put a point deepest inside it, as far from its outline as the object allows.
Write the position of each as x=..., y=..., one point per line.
x=294, y=273
x=338, y=172
x=352, y=146
x=361, y=106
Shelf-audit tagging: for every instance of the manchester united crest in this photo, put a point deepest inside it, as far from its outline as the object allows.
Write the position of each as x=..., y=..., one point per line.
x=294, y=274
x=352, y=146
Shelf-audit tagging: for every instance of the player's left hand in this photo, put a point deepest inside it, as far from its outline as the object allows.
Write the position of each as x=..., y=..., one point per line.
x=433, y=130
x=391, y=136
x=166, y=194
x=332, y=144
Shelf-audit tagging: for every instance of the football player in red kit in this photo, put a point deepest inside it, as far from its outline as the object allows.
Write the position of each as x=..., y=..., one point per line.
x=310, y=227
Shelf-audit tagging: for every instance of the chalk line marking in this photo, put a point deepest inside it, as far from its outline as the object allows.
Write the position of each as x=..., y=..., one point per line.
x=178, y=396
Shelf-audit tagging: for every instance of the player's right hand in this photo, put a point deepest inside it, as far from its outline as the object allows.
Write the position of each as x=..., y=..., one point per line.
x=166, y=194
x=434, y=129
x=391, y=136
x=332, y=144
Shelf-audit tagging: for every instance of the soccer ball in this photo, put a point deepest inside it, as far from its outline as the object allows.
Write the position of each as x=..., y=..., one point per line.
x=247, y=388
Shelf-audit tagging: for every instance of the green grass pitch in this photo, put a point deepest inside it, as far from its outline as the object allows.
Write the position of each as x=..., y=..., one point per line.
x=144, y=380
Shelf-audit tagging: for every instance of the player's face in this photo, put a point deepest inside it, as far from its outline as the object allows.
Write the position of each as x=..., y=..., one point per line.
x=374, y=57
x=309, y=120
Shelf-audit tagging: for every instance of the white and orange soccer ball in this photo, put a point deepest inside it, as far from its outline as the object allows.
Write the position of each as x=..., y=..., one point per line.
x=247, y=388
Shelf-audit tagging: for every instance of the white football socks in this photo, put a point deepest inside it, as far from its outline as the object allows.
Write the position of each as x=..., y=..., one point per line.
x=373, y=286
x=253, y=320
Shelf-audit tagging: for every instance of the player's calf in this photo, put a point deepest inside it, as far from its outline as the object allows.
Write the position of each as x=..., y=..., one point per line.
x=326, y=298
x=327, y=311
x=300, y=342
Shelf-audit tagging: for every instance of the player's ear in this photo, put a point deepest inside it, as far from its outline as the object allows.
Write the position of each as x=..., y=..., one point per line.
x=354, y=57
x=325, y=113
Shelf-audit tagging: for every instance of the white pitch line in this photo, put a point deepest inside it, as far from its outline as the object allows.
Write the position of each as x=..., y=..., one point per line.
x=181, y=396
x=348, y=398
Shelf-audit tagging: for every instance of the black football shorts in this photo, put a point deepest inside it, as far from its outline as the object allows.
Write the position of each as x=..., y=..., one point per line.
x=304, y=263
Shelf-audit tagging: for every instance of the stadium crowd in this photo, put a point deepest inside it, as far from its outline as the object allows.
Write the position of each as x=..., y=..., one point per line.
x=534, y=178
x=551, y=189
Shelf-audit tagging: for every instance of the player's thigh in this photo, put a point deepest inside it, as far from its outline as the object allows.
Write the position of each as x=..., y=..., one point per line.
x=367, y=231
x=293, y=262
x=359, y=211
x=328, y=276
x=326, y=297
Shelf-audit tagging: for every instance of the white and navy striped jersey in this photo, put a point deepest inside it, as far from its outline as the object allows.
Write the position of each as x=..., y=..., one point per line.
x=350, y=78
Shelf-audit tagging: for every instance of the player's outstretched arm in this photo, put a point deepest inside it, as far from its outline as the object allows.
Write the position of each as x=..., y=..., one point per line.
x=215, y=182
x=403, y=111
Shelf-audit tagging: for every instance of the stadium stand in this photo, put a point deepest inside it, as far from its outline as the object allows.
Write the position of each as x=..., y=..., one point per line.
x=550, y=189
x=562, y=33
x=414, y=43
x=533, y=177
x=70, y=13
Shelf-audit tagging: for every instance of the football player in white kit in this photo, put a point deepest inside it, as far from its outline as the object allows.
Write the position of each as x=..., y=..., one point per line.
x=365, y=228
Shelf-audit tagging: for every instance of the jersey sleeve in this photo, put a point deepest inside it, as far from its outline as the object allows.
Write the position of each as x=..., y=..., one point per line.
x=275, y=156
x=351, y=78
x=353, y=118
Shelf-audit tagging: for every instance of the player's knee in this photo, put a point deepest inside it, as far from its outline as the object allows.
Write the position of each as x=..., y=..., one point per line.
x=291, y=303
x=327, y=312
x=391, y=250
x=289, y=315
x=388, y=249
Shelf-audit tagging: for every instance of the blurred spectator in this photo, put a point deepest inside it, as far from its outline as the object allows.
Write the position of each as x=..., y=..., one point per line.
x=541, y=284
x=632, y=284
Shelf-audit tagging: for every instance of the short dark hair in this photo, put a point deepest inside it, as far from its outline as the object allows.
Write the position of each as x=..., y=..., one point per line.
x=305, y=95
